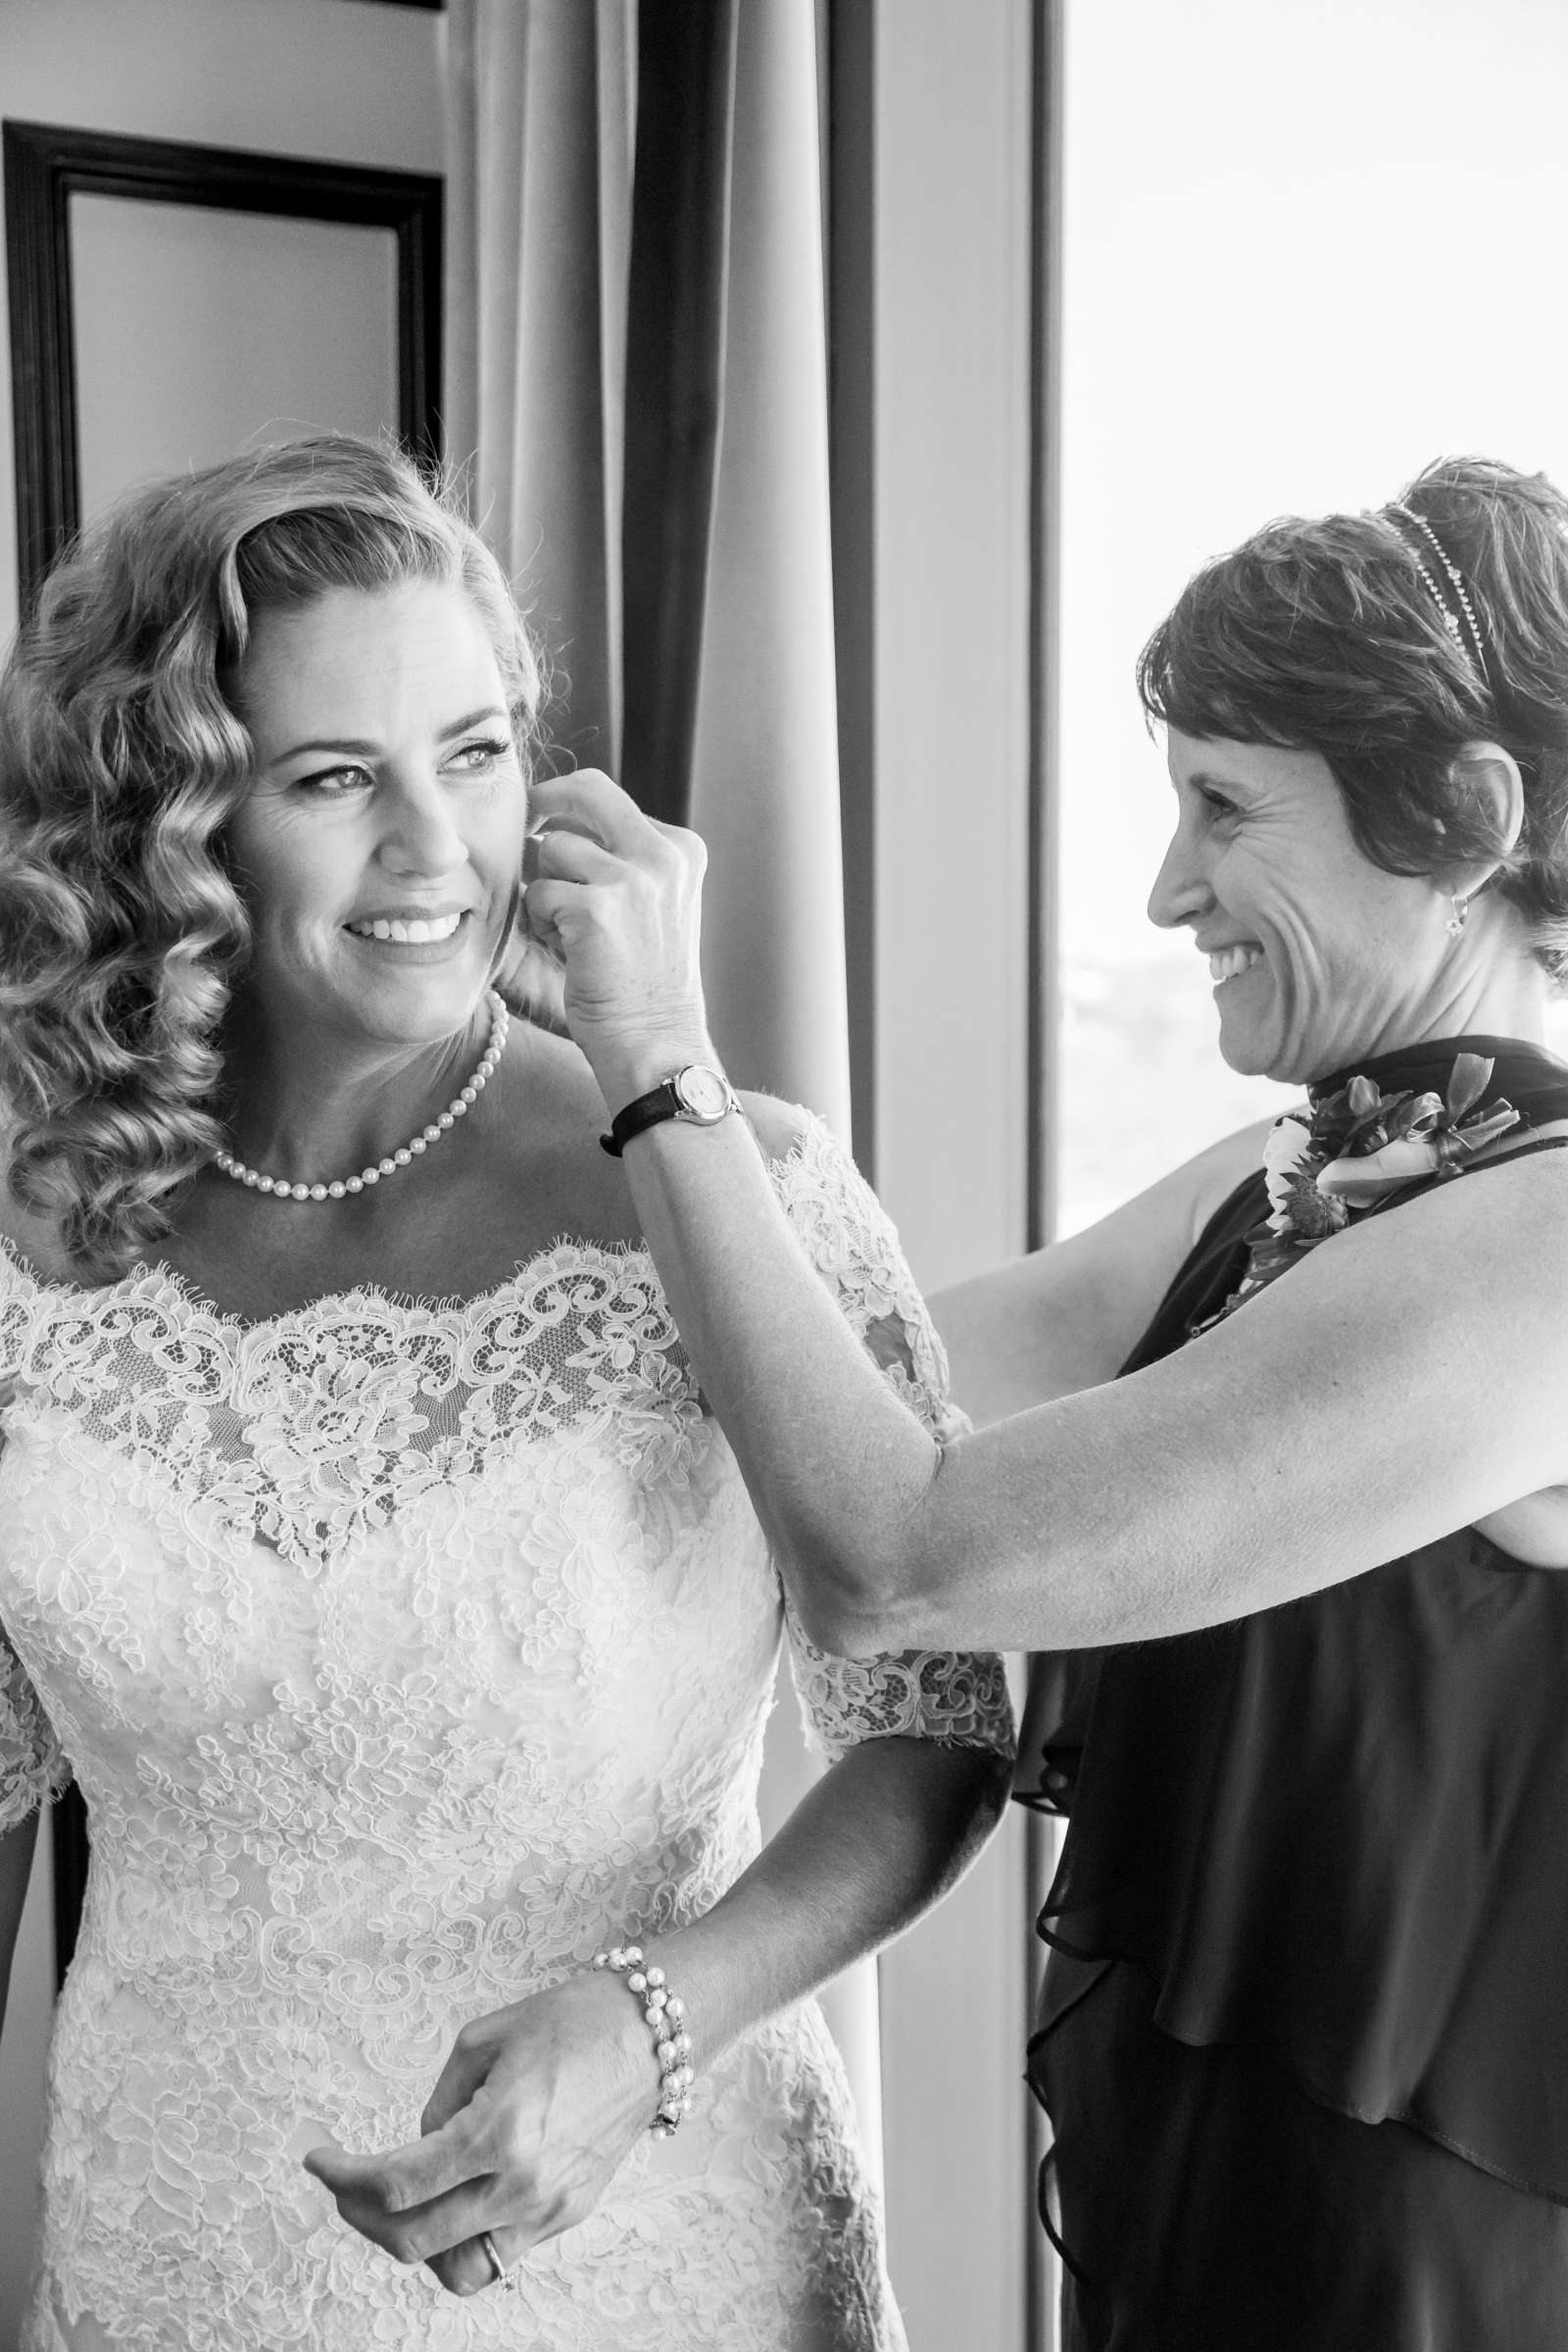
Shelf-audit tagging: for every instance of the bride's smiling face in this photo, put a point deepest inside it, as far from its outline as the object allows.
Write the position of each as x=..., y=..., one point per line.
x=382, y=838
x=1318, y=956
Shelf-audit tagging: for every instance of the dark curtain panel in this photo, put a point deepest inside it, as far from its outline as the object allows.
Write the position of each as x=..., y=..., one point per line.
x=674, y=381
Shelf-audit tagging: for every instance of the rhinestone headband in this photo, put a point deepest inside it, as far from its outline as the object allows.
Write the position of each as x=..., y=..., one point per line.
x=1476, y=649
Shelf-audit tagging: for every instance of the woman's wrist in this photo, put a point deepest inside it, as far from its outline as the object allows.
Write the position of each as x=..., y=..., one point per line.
x=663, y=2015
x=627, y=1066
x=727, y=1967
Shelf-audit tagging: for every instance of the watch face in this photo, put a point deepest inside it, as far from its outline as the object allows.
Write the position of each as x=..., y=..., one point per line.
x=703, y=1093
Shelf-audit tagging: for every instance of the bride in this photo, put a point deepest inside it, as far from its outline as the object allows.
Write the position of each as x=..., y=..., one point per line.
x=366, y=1549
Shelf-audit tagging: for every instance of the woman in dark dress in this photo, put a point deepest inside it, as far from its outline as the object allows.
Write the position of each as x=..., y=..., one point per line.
x=1304, y=2038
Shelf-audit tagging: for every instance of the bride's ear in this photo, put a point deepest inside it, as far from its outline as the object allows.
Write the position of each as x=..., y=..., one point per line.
x=1489, y=778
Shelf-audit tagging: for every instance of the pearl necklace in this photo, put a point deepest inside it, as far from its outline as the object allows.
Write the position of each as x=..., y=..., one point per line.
x=458, y=1108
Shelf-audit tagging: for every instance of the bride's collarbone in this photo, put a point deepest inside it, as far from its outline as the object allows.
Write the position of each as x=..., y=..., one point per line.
x=432, y=1233
x=427, y=1234
x=527, y=1173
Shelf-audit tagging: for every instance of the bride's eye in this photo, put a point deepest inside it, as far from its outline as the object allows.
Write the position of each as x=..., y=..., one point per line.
x=333, y=783
x=478, y=758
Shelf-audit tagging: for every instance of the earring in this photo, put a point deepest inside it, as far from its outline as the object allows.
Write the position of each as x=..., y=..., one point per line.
x=1454, y=927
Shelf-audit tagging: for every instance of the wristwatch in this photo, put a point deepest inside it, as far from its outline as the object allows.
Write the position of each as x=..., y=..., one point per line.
x=697, y=1093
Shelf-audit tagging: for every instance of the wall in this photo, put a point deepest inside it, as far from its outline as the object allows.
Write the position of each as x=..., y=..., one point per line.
x=952, y=370
x=950, y=514
x=337, y=78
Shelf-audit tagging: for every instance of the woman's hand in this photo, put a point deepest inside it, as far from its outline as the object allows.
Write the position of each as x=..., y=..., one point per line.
x=536, y=2108
x=616, y=899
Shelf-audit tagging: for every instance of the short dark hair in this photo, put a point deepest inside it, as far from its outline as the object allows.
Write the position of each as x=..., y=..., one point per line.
x=1324, y=636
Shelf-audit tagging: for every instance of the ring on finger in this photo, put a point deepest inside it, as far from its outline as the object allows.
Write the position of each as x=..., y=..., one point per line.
x=502, y=2276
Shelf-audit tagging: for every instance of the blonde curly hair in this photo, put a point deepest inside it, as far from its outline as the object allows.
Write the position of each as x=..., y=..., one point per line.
x=122, y=756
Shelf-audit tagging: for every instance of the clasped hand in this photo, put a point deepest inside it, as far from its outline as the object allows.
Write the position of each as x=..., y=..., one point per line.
x=536, y=2109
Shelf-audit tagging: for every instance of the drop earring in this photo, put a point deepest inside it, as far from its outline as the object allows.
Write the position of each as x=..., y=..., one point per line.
x=1454, y=927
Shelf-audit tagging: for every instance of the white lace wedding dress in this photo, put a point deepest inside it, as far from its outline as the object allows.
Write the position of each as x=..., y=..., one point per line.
x=406, y=1656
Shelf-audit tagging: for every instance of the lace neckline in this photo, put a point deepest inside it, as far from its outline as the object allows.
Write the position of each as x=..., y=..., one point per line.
x=163, y=1285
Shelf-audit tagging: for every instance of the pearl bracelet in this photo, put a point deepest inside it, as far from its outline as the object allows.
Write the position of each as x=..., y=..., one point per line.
x=663, y=2010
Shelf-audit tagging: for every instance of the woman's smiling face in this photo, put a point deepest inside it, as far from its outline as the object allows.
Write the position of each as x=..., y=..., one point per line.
x=1320, y=958
x=381, y=839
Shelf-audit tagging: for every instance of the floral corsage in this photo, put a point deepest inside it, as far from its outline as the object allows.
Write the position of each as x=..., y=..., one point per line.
x=1350, y=1150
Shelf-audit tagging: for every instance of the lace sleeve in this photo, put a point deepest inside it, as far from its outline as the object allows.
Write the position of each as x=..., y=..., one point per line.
x=32, y=1766
x=955, y=1698
x=947, y=1695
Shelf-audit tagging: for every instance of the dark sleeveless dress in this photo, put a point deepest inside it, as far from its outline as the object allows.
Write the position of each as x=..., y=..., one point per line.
x=1303, y=2036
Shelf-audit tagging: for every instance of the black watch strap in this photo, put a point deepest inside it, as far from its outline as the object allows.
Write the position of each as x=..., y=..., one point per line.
x=660, y=1102
x=698, y=1092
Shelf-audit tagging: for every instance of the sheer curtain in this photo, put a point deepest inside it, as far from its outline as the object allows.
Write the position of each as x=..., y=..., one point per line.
x=636, y=361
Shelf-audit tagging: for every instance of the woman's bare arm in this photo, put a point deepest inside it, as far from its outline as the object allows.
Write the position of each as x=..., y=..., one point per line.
x=1408, y=1377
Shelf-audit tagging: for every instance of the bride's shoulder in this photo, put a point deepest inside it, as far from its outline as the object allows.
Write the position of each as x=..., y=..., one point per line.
x=553, y=1115
x=810, y=1162
x=781, y=1128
